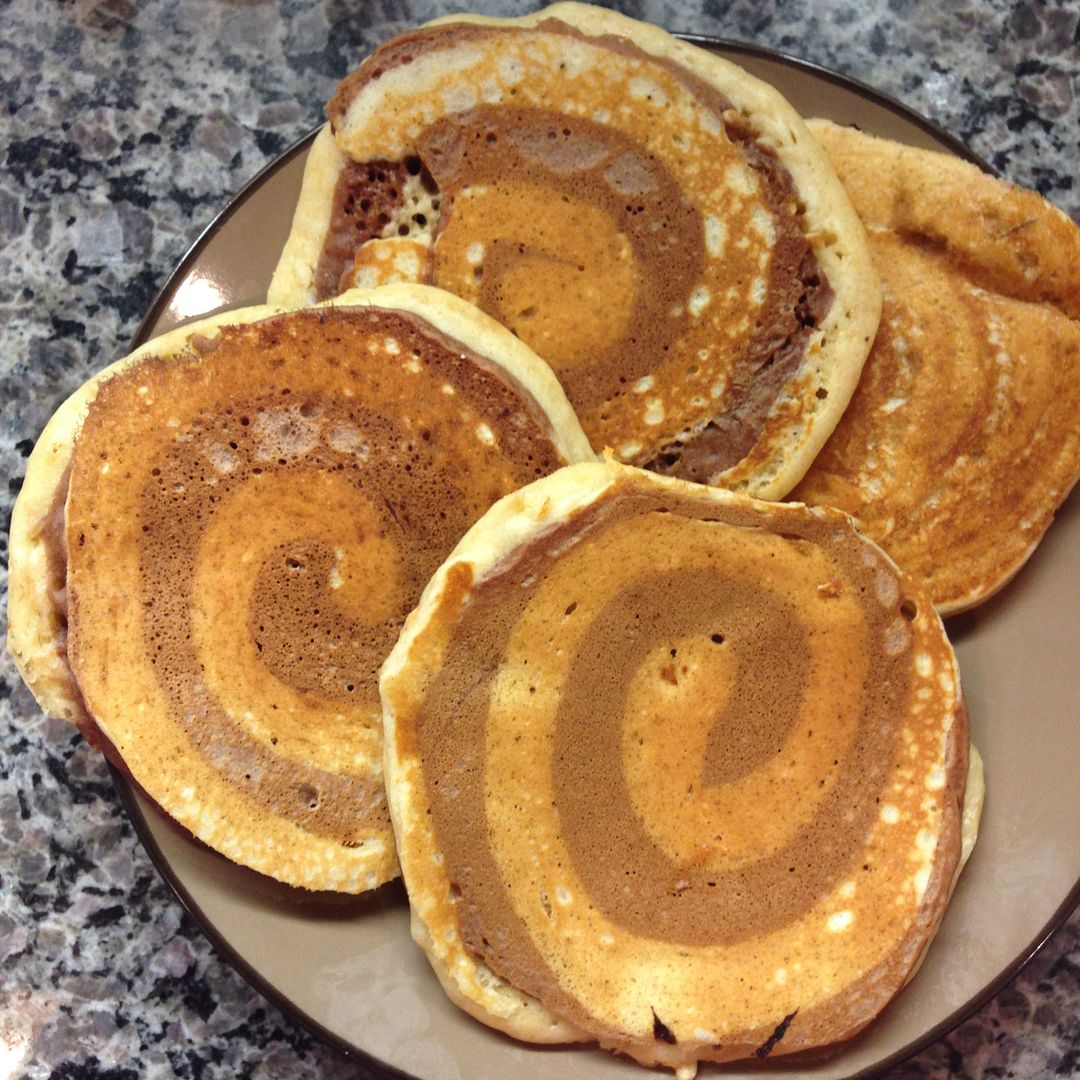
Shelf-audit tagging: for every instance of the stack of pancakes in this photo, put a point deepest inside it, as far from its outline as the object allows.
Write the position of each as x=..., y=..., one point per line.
x=667, y=767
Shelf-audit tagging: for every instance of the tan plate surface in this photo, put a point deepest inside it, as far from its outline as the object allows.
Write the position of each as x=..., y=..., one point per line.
x=348, y=968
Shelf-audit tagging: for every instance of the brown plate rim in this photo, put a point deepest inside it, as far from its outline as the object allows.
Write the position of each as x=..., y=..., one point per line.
x=373, y=1068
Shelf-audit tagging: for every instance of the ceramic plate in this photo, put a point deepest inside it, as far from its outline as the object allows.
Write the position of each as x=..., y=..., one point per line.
x=347, y=969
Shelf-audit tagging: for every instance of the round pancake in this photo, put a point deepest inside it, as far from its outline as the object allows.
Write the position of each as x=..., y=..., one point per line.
x=253, y=505
x=654, y=222
x=963, y=436
x=673, y=770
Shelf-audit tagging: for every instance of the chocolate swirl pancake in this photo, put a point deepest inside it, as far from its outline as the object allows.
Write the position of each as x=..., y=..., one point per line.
x=963, y=436
x=655, y=223
x=241, y=515
x=673, y=769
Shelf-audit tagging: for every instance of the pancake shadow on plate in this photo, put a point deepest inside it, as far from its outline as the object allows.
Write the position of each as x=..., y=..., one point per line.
x=1056, y=548
x=260, y=892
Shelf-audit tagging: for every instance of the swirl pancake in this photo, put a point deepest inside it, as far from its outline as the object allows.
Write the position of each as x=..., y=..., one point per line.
x=658, y=225
x=243, y=512
x=673, y=770
x=963, y=436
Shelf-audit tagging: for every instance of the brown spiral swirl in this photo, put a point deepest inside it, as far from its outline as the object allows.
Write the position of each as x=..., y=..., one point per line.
x=247, y=530
x=681, y=742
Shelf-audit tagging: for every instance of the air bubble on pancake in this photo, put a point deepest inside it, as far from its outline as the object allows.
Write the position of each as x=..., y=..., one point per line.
x=511, y=70
x=628, y=450
x=897, y=637
x=474, y=253
x=889, y=814
x=740, y=179
x=628, y=175
x=935, y=778
x=221, y=458
x=886, y=589
x=759, y=290
x=839, y=921
x=699, y=300
x=485, y=434
x=716, y=235
x=459, y=98
x=391, y=346
x=284, y=433
x=654, y=411
x=644, y=384
x=346, y=438
x=645, y=89
x=761, y=221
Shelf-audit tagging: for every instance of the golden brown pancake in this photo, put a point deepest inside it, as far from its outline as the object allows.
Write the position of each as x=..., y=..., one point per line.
x=654, y=222
x=248, y=510
x=673, y=770
x=963, y=436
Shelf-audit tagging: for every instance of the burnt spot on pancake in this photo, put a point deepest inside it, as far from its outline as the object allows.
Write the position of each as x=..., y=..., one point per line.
x=661, y=1032
x=767, y=1047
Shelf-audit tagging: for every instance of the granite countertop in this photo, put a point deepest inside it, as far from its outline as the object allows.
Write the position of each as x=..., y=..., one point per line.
x=127, y=126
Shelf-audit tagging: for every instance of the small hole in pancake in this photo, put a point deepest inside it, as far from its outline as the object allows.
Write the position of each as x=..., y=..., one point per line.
x=909, y=610
x=294, y=564
x=455, y=891
x=717, y=639
x=571, y=609
x=307, y=410
x=492, y=137
x=822, y=393
x=414, y=165
x=309, y=796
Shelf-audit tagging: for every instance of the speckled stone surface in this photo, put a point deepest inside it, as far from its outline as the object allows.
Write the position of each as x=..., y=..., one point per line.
x=126, y=127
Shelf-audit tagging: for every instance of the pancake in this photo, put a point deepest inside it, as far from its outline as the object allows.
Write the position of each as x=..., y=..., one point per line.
x=657, y=224
x=963, y=436
x=242, y=513
x=674, y=770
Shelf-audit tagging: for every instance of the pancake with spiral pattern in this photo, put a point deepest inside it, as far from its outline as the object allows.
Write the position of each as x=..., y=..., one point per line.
x=963, y=436
x=219, y=540
x=657, y=224
x=673, y=769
